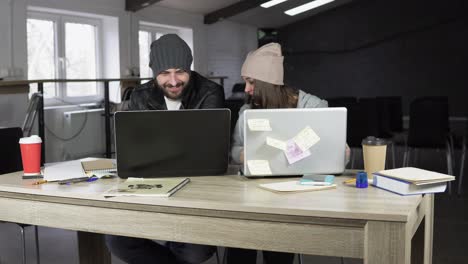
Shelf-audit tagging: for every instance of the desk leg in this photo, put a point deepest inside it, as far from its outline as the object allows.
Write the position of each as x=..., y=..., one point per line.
x=428, y=228
x=92, y=249
x=386, y=243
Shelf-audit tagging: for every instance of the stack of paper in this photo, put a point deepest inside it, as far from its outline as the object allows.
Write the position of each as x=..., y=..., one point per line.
x=409, y=181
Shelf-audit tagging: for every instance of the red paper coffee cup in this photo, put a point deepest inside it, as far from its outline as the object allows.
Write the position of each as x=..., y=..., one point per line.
x=31, y=154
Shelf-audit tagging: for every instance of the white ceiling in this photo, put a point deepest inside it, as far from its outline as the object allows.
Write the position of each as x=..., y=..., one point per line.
x=272, y=17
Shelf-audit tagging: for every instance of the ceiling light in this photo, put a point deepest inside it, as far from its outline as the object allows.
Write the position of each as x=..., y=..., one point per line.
x=306, y=7
x=145, y=4
x=272, y=3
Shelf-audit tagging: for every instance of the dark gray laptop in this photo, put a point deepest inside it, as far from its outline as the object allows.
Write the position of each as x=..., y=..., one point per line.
x=172, y=143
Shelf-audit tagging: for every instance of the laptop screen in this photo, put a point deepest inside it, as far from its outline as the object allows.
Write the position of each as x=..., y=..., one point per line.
x=294, y=141
x=172, y=143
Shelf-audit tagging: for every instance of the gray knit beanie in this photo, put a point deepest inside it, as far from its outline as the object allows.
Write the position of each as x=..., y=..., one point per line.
x=170, y=51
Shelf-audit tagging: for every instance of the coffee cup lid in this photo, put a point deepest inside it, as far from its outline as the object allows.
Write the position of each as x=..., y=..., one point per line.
x=30, y=140
x=373, y=141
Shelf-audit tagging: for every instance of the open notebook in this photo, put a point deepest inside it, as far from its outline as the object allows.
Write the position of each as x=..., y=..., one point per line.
x=99, y=165
x=79, y=168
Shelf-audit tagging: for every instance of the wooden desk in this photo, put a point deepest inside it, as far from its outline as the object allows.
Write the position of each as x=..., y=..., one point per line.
x=232, y=211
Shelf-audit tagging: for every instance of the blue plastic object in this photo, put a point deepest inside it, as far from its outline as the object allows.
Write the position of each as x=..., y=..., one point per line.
x=361, y=180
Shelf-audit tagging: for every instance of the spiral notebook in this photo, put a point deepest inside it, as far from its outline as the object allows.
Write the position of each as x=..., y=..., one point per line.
x=99, y=166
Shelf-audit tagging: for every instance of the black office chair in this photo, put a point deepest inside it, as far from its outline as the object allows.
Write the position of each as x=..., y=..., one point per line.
x=429, y=129
x=463, y=158
x=390, y=115
x=10, y=158
x=341, y=101
x=362, y=122
x=390, y=112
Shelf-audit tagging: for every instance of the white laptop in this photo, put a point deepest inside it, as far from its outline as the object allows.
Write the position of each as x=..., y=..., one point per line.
x=281, y=142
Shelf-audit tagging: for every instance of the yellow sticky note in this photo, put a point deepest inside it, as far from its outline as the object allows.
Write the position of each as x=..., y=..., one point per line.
x=276, y=143
x=259, y=167
x=306, y=138
x=259, y=124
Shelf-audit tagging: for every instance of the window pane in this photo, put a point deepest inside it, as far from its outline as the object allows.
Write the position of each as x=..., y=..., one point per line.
x=144, y=41
x=81, y=58
x=158, y=35
x=41, y=53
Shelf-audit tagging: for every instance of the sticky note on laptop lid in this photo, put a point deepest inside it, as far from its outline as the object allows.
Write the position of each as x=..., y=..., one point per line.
x=306, y=138
x=276, y=143
x=259, y=167
x=259, y=124
x=294, y=153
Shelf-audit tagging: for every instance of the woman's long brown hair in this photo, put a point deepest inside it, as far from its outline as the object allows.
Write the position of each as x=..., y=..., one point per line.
x=269, y=96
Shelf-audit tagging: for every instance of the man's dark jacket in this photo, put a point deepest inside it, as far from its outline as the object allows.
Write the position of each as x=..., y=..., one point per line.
x=200, y=93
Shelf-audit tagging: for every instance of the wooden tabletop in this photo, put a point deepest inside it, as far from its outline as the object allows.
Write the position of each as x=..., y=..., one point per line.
x=229, y=193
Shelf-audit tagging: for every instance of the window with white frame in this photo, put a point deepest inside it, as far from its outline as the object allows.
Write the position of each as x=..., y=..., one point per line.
x=146, y=35
x=64, y=47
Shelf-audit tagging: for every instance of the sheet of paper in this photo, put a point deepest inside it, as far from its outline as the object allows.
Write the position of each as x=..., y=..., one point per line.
x=294, y=153
x=259, y=167
x=256, y=124
x=306, y=138
x=276, y=143
x=293, y=186
x=63, y=170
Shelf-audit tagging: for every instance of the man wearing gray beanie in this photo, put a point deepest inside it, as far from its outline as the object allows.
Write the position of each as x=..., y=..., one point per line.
x=174, y=87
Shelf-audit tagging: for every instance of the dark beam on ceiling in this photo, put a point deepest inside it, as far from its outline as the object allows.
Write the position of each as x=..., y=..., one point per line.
x=232, y=10
x=135, y=5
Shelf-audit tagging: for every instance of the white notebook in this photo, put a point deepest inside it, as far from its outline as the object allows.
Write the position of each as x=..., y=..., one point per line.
x=416, y=176
x=63, y=170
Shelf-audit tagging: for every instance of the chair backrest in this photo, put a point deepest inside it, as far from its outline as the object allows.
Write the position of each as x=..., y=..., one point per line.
x=127, y=93
x=238, y=88
x=234, y=105
x=390, y=115
x=343, y=101
x=429, y=122
x=362, y=121
x=10, y=154
x=33, y=107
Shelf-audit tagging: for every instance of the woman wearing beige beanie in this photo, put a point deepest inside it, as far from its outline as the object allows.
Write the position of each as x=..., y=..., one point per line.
x=264, y=87
x=263, y=75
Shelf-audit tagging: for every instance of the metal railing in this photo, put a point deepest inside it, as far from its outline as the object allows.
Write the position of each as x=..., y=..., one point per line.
x=39, y=104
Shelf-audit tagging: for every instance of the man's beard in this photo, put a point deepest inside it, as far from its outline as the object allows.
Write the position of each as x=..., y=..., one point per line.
x=165, y=89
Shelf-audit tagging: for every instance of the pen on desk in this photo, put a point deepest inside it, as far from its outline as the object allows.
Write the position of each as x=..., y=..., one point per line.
x=92, y=179
x=68, y=181
x=314, y=183
x=349, y=181
x=39, y=182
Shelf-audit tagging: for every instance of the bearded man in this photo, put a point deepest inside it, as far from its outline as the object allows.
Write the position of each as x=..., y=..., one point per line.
x=175, y=86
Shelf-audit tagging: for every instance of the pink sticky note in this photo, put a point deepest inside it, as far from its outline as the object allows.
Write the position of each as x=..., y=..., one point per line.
x=294, y=153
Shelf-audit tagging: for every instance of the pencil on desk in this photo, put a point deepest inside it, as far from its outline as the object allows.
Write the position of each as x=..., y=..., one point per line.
x=40, y=182
x=349, y=181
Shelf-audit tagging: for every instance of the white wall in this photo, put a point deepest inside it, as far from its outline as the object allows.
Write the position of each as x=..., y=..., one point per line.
x=228, y=44
x=13, y=109
x=5, y=35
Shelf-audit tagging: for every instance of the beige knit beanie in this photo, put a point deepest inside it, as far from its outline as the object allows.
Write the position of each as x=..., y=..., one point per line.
x=265, y=64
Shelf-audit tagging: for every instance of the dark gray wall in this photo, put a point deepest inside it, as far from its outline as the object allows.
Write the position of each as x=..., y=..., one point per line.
x=368, y=48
